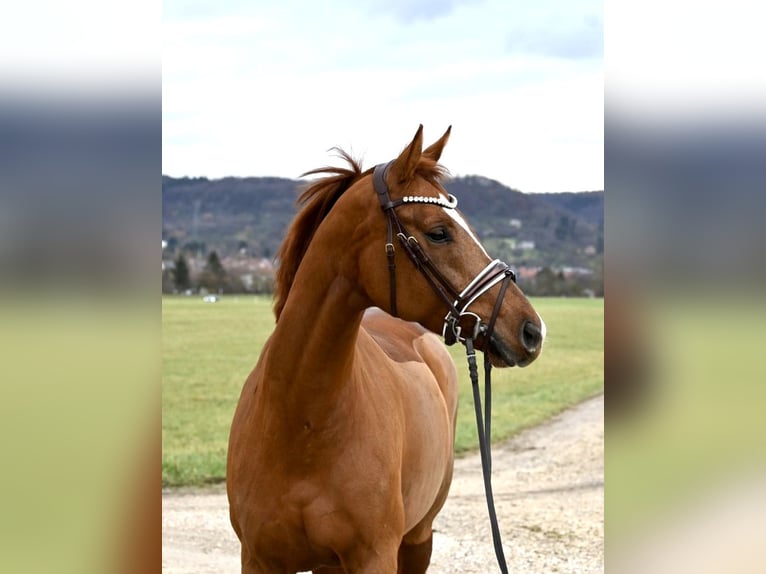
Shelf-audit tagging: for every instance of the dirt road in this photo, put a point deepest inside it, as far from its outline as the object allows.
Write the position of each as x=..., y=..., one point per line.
x=549, y=494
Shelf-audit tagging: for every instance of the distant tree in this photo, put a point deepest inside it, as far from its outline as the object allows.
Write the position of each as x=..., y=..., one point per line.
x=214, y=265
x=168, y=286
x=553, y=283
x=181, y=277
x=195, y=247
x=596, y=281
x=545, y=282
x=213, y=276
x=600, y=238
x=565, y=228
x=263, y=284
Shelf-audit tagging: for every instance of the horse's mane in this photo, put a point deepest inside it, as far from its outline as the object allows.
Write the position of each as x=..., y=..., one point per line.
x=316, y=201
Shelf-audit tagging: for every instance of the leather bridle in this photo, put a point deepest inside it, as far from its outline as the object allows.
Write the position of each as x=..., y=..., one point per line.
x=457, y=303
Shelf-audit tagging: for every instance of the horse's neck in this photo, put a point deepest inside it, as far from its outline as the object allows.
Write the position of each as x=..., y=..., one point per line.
x=312, y=349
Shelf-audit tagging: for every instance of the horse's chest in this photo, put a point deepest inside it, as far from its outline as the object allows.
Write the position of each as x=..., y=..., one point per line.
x=295, y=526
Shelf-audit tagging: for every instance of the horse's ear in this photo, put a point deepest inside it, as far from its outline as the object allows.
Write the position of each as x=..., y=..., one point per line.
x=434, y=151
x=403, y=168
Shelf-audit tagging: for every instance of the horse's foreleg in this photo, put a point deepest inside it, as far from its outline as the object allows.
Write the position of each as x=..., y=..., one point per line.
x=415, y=558
x=252, y=566
x=378, y=560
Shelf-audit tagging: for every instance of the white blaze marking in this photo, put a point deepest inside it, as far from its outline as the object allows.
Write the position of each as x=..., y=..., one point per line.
x=453, y=213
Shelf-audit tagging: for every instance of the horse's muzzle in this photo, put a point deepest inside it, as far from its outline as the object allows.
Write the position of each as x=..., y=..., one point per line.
x=503, y=355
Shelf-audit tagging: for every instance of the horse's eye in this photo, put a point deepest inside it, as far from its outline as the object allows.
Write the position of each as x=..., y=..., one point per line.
x=438, y=235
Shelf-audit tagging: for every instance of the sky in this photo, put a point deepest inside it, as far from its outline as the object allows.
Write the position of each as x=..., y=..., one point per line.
x=254, y=88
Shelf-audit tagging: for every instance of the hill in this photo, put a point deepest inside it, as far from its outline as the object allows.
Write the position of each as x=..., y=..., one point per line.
x=232, y=214
x=588, y=205
x=245, y=219
x=227, y=215
x=528, y=229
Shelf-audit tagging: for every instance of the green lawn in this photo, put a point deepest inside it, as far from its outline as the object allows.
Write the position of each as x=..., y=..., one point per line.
x=209, y=349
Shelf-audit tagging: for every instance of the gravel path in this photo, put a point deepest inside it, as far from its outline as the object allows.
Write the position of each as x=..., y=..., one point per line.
x=549, y=495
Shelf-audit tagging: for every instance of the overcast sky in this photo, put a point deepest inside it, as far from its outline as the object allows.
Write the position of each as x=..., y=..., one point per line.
x=266, y=88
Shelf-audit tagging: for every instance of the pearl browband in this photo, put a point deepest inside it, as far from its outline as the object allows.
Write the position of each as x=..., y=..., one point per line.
x=450, y=202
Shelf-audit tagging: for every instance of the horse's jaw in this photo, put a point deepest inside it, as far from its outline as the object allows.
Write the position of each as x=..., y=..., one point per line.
x=501, y=355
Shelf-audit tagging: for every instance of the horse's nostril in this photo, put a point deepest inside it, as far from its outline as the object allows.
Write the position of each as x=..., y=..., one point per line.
x=530, y=336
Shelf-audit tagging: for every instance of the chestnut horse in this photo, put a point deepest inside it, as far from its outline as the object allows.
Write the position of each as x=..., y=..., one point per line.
x=341, y=448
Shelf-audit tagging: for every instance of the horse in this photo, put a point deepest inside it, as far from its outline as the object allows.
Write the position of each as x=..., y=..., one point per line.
x=341, y=447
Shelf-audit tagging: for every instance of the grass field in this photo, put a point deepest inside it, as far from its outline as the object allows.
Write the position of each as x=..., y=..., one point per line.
x=209, y=349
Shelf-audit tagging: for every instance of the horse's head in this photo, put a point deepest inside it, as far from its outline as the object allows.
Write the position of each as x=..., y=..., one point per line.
x=444, y=279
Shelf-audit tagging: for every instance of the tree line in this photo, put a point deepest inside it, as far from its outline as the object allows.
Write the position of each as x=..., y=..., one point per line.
x=214, y=278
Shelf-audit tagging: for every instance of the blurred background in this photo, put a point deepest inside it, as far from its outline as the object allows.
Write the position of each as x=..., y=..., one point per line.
x=685, y=174
x=80, y=180
x=80, y=164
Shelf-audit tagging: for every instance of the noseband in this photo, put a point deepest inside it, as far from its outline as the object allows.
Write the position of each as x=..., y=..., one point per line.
x=457, y=301
x=457, y=304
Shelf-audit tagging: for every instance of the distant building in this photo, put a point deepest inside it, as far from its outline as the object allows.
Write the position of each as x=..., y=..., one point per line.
x=515, y=223
x=527, y=273
x=570, y=272
x=526, y=245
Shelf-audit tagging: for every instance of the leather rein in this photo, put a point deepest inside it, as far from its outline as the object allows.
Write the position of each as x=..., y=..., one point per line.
x=457, y=304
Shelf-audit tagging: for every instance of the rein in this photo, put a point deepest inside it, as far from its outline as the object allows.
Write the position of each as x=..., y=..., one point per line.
x=457, y=303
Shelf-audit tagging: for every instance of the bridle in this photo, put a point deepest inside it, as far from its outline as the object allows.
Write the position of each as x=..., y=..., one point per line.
x=457, y=303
